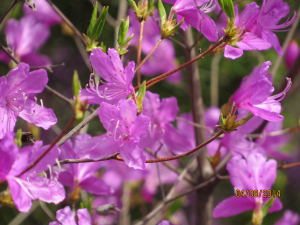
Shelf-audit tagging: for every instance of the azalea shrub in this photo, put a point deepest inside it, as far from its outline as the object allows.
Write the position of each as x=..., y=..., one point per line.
x=149, y=112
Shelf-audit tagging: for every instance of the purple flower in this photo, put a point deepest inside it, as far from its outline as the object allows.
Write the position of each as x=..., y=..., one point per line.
x=273, y=144
x=254, y=95
x=164, y=222
x=124, y=130
x=44, y=12
x=33, y=184
x=66, y=217
x=252, y=173
x=291, y=54
x=163, y=59
x=194, y=14
x=17, y=99
x=118, y=80
x=257, y=27
x=271, y=12
x=162, y=113
x=24, y=37
x=121, y=173
x=81, y=175
x=289, y=218
x=106, y=199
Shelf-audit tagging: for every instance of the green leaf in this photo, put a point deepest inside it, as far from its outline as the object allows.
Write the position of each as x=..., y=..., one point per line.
x=103, y=47
x=150, y=4
x=162, y=12
x=222, y=121
x=268, y=204
x=122, y=33
x=228, y=7
x=99, y=24
x=76, y=84
x=129, y=38
x=132, y=5
x=93, y=21
x=142, y=90
x=18, y=138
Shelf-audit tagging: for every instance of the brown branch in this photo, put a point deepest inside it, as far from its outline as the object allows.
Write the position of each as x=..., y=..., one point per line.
x=150, y=53
x=67, y=21
x=78, y=127
x=72, y=161
x=275, y=133
x=171, y=167
x=139, y=53
x=286, y=166
x=165, y=75
x=8, y=11
x=9, y=55
x=51, y=146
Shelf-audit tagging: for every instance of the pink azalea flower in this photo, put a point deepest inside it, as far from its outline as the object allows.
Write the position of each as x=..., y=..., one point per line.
x=66, y=217
x=194, y=14
x=291, y=54
x=118, y=80
x=24, y=38
x=254, y=95
x=273, y=144
x=81, y=174
x=257, y=27
x=17, y=99
x=124, y=130
x=162, y=113
x=163, y=59
x=252, y=173
x=31, y=185
x=289, y=218
x=44, y=12
x=211, y=119
x=164, y=222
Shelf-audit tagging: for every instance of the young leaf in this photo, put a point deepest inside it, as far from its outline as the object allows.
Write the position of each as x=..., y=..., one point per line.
x=228, y=8
x=18, y=138
x=162, y=12
x=93, y=21
x=132, y=5
x=122, y=33
x=268, y=204
x=99, y=24
x=142, y=90
x=76, y=84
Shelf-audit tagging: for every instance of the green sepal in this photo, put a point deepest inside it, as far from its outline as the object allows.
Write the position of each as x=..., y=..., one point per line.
x=76, y=84
x=103, y=47
x=18, y=138
x=268, y=204
x=140, y=97
x=221, y=120
x=93, y=21
x=132, y=5
x=162, y=12
x=99, y=24
x=228, y=7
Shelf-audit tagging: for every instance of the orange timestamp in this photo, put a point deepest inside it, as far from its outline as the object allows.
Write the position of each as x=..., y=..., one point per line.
x=257, y=193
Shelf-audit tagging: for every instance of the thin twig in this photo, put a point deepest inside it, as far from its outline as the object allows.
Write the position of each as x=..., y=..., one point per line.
x=47, y=87
x=165, y=75
x=214, y=80
x=171, y=167
x=211, y=131
x=59, y=95
x=178, y=42
x=286, y=166
x=285, y=44
x=49, y=68
x=150, y=53
x=274, y=133
x=22, y=216
x=67, y=21
x=47, y=210
x=84, y=54
x=50, y=147
x=8, y=11
x=158, y=174
x=9, y=55
x=78, y=127
x=140, y=52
